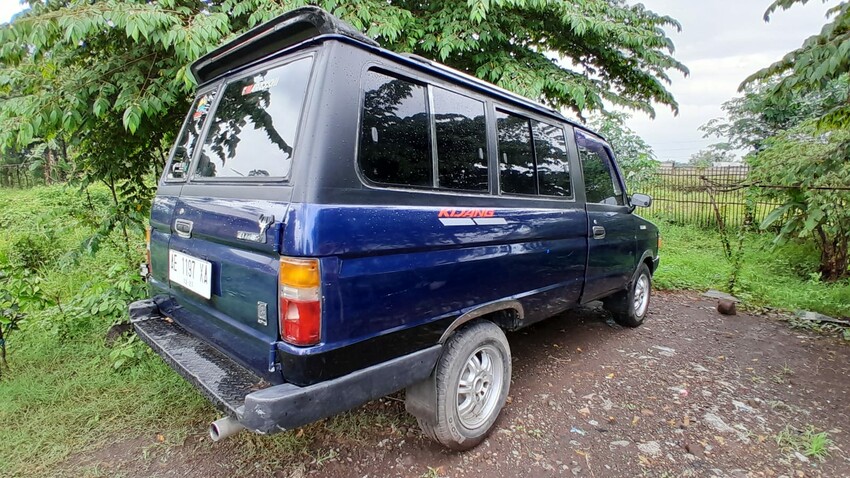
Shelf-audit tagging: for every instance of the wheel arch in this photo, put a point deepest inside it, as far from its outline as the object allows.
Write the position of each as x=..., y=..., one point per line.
x=647, y=258
x=506, y=313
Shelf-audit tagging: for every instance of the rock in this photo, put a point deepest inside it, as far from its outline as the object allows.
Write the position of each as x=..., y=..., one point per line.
x=801, y=457
x=740, y=406
x=726, y=307
x=717, y=423
x=665, y=351
x=716, y=294
x=695, y=449
x=651, y=448
x=816, y=317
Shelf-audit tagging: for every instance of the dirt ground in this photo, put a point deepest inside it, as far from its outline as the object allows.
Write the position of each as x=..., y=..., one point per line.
x=691, y=393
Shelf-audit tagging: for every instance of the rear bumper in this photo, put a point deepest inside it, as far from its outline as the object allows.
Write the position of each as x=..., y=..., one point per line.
x=258, y=405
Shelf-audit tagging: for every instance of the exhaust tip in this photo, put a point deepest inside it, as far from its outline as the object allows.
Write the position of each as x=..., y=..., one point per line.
x=224, y=427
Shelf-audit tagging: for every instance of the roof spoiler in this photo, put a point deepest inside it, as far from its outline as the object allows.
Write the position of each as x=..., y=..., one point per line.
x=283, y=31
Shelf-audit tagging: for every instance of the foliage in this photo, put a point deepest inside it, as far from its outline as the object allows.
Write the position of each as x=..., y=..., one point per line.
x=706, y=158
x=634, y=155
x=810, y=163
x=795, y=115
x=110, y=76
x=821, y=59
x=761, y=113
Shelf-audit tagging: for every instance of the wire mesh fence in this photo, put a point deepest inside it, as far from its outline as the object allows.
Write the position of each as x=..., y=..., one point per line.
x=688, y=195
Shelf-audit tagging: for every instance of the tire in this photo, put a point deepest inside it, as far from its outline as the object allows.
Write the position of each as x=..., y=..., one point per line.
x=625, y=307
x=464, y=420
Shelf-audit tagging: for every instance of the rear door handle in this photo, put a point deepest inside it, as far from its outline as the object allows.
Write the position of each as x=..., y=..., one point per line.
x=183, y=228
x=598, y=232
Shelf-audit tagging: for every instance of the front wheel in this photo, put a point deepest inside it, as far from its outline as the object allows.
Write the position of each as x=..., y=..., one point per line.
x=473, y=378
x=630, y=307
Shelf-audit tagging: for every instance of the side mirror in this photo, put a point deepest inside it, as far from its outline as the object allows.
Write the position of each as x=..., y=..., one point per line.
x=641, y=200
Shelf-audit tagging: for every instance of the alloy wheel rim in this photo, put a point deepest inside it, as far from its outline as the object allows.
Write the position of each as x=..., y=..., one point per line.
x=479, y=386
x=641, y=301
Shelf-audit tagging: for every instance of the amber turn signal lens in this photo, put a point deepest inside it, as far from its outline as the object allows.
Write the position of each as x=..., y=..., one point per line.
x=300, y=273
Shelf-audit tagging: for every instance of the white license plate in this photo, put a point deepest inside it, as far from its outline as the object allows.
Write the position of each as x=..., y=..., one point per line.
x=190, y=272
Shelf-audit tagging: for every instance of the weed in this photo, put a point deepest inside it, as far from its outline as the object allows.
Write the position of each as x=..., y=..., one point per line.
x=431, y=473
x=809, y=442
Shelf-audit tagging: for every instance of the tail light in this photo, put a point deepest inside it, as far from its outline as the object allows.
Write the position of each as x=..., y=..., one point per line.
x=148, y=247
x=300, y=301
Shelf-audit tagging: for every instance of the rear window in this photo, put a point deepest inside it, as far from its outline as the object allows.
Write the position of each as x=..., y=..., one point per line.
x=252, y=134
x=188, y=140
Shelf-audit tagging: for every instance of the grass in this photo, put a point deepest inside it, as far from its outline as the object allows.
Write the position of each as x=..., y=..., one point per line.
x=783, y=277
x=61, y=394
x=809, y=442
x=63, y=398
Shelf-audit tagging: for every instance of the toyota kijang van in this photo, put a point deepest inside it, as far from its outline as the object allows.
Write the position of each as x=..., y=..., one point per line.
x=337, y=222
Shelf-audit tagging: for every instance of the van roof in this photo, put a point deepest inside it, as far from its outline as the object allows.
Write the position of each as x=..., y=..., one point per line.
x=315, y=24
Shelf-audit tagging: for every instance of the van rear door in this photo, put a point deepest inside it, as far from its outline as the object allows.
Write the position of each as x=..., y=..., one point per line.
x=224, y=254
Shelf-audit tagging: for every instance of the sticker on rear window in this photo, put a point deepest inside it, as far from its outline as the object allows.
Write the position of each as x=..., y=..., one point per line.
x=203, y=106
x=259, y=86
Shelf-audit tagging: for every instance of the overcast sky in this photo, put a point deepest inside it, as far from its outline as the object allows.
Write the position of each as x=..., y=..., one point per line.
x=722, y=42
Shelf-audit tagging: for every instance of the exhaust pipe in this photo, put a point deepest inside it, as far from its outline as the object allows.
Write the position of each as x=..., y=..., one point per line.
x=224, y=427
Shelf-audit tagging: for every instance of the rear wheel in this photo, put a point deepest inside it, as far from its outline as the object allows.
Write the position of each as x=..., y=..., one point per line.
x=630, y=307
x=473, y=377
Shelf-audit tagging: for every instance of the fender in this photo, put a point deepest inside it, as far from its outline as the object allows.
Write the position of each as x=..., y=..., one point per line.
x=421, y=398
x=648, y=254
x=482, y=310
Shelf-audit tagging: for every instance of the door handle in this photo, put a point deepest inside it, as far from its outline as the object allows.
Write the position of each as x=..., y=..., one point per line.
x=598, y=232
x=183, y=228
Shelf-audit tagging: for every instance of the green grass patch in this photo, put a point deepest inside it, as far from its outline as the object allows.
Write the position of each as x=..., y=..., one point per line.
x=807, y=442
x=783, y=277
x=62, y=394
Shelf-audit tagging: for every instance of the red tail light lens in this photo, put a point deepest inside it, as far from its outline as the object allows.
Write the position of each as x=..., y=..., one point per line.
x=300, y=301
x=148, y=247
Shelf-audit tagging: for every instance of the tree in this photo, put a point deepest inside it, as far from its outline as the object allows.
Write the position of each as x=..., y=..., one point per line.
x=821, y=59
x=110, y=76
x=760, y=113
x=634, y=155
x=706, y=158
x=807, y=166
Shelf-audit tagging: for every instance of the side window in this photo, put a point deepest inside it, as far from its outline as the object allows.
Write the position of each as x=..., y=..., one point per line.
x=516, y=154
x=600, y=181
x=253, y=130
x=185, y=147
x=553, y=163
x=461, y=141
x=395, y=146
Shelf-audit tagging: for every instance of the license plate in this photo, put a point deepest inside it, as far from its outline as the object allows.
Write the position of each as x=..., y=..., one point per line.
x=190, y=272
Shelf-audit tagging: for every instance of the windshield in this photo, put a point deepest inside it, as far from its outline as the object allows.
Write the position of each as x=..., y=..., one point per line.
x=253, y=130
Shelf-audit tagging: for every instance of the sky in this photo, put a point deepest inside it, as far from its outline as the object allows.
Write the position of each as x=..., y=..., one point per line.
x=722, y=42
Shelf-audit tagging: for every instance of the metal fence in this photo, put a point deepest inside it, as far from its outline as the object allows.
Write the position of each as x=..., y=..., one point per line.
x=689, y=195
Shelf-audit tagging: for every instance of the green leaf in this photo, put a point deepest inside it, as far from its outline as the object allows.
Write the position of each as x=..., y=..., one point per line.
x=775, y=215
x=132, y=118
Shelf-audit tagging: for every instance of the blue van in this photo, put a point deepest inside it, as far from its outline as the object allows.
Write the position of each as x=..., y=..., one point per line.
x=337, y=222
